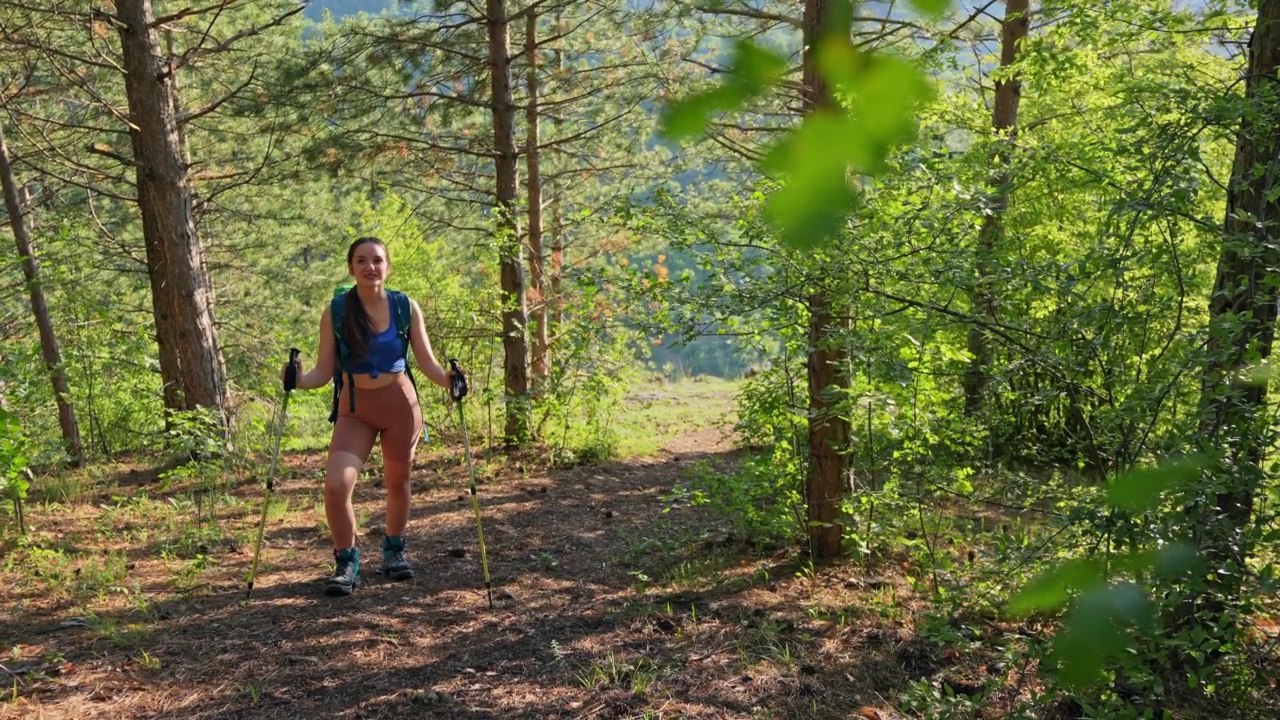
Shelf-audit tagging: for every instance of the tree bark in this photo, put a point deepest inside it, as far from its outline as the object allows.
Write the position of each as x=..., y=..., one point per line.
x=828, y=431
x=557, y=238
x=1242, y=312
x=537, y=275
x=515, y=319
x=163, y=307
x=1004, y=120
x=49, y=347
x=181, y=295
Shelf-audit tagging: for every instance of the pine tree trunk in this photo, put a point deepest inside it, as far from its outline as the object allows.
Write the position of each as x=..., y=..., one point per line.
x=557, y=239
x=1004, y=121
x=1242, y=312
x=515, y=319
x=175, y=256
x=163, y=308
x=537, y=258
x=828, y=431
x=49, y=347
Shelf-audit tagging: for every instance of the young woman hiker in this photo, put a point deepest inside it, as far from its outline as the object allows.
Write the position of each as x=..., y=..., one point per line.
x=365, y=337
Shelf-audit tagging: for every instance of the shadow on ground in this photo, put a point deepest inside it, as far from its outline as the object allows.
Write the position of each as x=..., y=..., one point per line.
x=607, y=604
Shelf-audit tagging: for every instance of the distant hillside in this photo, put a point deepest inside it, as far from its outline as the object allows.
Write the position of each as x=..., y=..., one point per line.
x=341, y=8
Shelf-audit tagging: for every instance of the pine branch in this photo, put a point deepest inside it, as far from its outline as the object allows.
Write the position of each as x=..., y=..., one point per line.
x=750, y=13
x=187, y=117
x=200, y=51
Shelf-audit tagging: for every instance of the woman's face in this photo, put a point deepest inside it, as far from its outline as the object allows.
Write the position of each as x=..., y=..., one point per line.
x=369, y=264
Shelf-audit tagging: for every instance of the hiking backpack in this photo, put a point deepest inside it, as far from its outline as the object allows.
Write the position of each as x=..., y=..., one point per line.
x=401, y=315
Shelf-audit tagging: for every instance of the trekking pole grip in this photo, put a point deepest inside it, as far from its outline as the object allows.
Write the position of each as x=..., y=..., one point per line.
x=291, y=373
x=458, y=388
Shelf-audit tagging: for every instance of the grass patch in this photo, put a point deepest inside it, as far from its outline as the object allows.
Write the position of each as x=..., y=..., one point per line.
x=657, y=414
x=701, y=572
x=612, y=671
x=61, y=572
x=648, y=416
x=119, y=634
x=307, y=428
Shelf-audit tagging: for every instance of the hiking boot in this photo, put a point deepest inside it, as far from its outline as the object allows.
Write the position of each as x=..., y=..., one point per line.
x=346, y=574
x=394, y=564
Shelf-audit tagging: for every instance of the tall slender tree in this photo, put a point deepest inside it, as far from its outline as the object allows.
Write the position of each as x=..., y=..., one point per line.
x=49, y=346
x=1004, y=123
x=515, y=317
x=828, y=429
x=180, y=288
x=88, y=92
x=1242, y=311
x=533, y=183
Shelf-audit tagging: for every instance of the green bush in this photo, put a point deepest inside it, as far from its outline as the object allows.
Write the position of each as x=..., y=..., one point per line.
x=13, y=460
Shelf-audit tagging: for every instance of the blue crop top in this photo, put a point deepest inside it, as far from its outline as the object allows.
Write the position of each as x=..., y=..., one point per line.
x=386, y=355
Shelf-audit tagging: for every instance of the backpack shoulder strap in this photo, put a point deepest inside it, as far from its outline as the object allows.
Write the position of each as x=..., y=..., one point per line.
x=337, y=314
x=403, y=314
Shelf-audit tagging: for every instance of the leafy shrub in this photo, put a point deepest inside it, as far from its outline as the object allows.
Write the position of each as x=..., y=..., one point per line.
x=13, y=460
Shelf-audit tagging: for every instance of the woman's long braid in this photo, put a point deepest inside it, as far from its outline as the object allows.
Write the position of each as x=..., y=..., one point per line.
x=356, y=326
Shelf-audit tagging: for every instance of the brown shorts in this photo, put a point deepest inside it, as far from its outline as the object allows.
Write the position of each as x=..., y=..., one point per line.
x=390, y=411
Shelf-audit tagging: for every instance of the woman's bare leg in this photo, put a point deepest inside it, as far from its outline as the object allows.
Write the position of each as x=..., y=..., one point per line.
x=397, y=479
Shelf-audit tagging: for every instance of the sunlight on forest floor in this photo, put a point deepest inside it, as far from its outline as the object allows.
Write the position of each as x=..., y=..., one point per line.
x=653, y=416
x=616, y=594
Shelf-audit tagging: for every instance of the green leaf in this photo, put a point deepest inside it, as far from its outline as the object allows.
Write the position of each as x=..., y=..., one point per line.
x=817, y=196
x=688, y=117
x=754, y=67
x=751, y=71
x=1139, y=490
x=1177, y=560
x=880, y=94
x=1053, y=588
x=1094, y=632
x=817, y=161
x=930, y=7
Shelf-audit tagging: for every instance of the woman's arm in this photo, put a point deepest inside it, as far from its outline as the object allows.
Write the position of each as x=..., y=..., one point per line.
x=422, y=353
x=322, y=373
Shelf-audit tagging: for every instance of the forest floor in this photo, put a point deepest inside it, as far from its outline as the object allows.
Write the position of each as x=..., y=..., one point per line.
x=609, y=601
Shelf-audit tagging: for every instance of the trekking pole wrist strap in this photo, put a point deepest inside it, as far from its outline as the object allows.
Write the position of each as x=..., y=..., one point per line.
x=458, y=384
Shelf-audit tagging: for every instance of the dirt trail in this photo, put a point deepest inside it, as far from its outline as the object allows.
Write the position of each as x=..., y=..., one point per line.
x=605, y=606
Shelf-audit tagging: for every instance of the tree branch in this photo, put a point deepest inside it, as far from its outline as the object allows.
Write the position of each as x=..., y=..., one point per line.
x=199, y=50
x=750, y=13
x=187, y=117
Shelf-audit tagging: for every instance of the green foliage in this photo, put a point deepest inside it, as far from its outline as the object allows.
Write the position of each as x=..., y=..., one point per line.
x=770, y=411
x=13, y=460
x=1107, y=205
x=576, y=406
x=1139, y=490
x=877, y=96
x=762, y=501
x=752, y=71
x=197, y=434
x=930, y=7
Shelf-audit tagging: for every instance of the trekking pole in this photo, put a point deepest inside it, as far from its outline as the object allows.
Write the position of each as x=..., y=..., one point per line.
x=290, y=382
x=457, y=391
